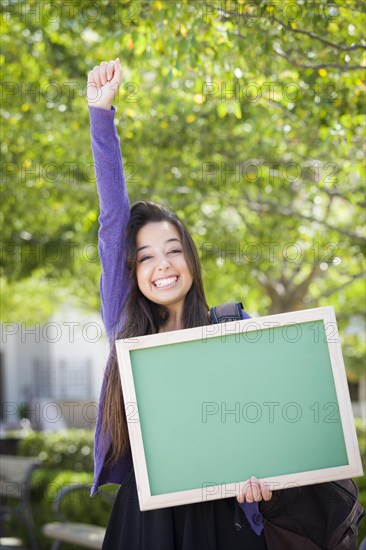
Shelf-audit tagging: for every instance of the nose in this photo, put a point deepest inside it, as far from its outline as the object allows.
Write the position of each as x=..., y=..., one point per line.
x=163, y=264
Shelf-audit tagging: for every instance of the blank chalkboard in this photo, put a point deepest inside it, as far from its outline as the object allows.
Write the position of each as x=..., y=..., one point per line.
x=211, y=406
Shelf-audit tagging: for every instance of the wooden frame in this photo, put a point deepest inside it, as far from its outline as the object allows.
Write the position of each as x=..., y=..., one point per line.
x=324, y=357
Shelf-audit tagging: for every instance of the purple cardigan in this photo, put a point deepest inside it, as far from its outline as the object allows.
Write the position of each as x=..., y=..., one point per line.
x=114, y=281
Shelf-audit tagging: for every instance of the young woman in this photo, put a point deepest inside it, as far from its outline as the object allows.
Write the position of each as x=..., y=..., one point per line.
x=151, y=282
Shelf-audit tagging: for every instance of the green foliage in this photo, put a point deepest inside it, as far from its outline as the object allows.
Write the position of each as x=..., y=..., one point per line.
x=79, y=506
x=67, y=459
x=76, y=507
x=268, y=178
x=70, y=449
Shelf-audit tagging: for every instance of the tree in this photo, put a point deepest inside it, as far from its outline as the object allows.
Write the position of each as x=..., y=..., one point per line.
x=245, y=117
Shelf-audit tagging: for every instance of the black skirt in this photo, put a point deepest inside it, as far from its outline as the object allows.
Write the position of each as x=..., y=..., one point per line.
x=201, y=526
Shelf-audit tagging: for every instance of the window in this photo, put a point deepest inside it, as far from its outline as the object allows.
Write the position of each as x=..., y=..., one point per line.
x=62, y=380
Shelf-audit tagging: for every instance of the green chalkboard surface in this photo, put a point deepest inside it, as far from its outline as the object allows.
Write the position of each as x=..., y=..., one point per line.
x=217, y=405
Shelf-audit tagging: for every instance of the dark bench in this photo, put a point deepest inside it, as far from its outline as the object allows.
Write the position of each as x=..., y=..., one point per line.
x=64, y=530
x=15, y=476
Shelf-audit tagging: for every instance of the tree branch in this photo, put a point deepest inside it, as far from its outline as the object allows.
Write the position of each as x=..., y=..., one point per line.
x=299, y=31
x=332, y=193
x=342, y=68
x=274, y=290
x=347, y=283
x=329, y=206
x=285, y=110
x=323, y=40
x=300, y=291
x=270, y=206
x=284, y=295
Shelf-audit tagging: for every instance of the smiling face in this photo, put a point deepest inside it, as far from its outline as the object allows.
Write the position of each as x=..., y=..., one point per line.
x=162, y=272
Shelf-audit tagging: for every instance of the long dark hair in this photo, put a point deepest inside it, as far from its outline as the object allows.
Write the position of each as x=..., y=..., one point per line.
x=142, y=316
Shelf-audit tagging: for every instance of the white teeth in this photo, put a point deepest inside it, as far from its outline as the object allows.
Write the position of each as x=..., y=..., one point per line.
x=165, y=282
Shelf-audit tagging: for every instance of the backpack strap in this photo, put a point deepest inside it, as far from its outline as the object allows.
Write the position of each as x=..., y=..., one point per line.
x=226, y=312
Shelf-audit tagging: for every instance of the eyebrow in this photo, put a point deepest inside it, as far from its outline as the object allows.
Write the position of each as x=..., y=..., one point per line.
x=167, y=241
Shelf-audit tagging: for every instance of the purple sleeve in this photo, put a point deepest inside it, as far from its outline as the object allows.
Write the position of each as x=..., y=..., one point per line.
x=114, y=213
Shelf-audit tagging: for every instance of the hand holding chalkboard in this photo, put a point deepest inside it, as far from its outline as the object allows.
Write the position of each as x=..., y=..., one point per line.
x=254, y=490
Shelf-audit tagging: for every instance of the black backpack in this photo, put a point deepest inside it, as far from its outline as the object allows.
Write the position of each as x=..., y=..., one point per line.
x=323, y=516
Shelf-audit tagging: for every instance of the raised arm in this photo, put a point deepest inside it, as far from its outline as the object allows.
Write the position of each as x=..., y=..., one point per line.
x=103, y=84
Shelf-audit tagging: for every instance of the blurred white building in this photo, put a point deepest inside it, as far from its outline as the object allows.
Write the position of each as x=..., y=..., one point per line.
x=52, y=372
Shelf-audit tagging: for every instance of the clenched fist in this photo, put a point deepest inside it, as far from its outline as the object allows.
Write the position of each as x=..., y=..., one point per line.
x=103, y=84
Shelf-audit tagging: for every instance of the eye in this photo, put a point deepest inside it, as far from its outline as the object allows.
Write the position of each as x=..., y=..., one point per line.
x=144, y=258
x=175, y=251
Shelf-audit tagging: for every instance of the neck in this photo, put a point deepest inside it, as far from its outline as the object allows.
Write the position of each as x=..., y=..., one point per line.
x=175, y=321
